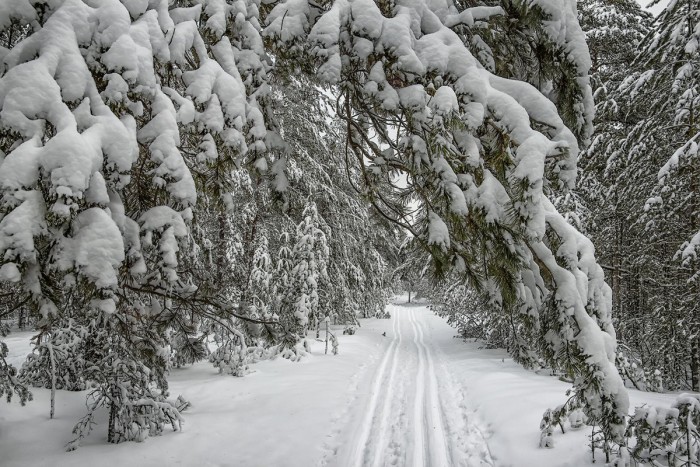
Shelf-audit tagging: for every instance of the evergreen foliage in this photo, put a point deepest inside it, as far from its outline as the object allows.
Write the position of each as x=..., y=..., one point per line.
x=638, y=186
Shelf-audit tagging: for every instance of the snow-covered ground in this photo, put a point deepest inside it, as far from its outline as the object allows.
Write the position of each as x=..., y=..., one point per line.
x=417, y=396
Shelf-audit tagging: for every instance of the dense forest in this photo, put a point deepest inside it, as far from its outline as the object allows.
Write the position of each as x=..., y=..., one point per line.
x=174, y=172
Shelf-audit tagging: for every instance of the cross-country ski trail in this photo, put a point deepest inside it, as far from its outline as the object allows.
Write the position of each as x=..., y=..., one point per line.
x=408, y=411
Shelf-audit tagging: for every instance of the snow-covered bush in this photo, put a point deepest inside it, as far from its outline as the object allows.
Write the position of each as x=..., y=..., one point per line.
x=10, y=385
x=668, y=437
x=634, y=372
x=58, y=360
x=230, y=359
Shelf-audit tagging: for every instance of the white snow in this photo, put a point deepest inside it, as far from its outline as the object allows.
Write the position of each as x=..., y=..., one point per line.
x=438, y=234
x=96, y=248
x=415, y=397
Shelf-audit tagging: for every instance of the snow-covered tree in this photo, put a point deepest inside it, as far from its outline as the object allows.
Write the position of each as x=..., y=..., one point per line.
x=613, y=30
x=665, y=436
x=10, y=384
x=361, y=244
x=610, y=197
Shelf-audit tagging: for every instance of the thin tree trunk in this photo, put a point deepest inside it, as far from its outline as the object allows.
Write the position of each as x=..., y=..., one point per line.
x=695, y=364
x=53, y=376
x=111, y=430
x=220, y=258
x=694, y=224
x=112, y=422
x=617, y=264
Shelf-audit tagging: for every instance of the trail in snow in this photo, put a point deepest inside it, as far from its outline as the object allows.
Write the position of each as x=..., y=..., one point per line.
x=376, y=393
x=438, y=445
x=412, y=413
x=388, y=398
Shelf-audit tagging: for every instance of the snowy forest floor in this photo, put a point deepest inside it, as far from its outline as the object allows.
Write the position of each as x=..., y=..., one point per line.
x=417, y=396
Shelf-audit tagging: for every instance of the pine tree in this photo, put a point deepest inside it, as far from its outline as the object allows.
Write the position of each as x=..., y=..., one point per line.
x=96, y=213
x=613, y=30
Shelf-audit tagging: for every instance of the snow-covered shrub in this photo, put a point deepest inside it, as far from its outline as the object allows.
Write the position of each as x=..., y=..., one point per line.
x=669, y=437
x=634, y=372
x=58, y=359
x=230, y=359
x=334, y=343
x=565, y=416
x=129, y=419
x=10, y=384
x=187, y=350
x=383, y=314
x=128, y=379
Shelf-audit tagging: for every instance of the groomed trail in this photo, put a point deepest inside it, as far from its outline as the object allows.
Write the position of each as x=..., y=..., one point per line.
x=407, y=410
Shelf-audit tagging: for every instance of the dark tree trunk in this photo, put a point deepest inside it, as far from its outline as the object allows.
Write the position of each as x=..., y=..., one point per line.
x=112, y=421
x=695, y=364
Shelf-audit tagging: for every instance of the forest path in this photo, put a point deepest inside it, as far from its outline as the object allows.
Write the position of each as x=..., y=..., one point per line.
x=408, y=410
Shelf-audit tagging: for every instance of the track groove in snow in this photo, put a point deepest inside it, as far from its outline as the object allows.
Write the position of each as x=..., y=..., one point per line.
x=435, y=430
x=359, y=452
x=419, y=415
x=388, y=398
x=412, y=413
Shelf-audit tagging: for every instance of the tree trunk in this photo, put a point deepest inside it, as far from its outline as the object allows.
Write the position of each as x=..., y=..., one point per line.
x=112, y=429
x=695, y=364
x=220, y=257
x=617, y=265
x=695, y=225
x=53, y=376
x=112, y=420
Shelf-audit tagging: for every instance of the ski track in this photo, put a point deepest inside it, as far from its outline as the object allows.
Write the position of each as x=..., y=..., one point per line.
x=359, y=452
x=435, y=430
x=415, y=414
x=390, y=396
x=419, y=414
